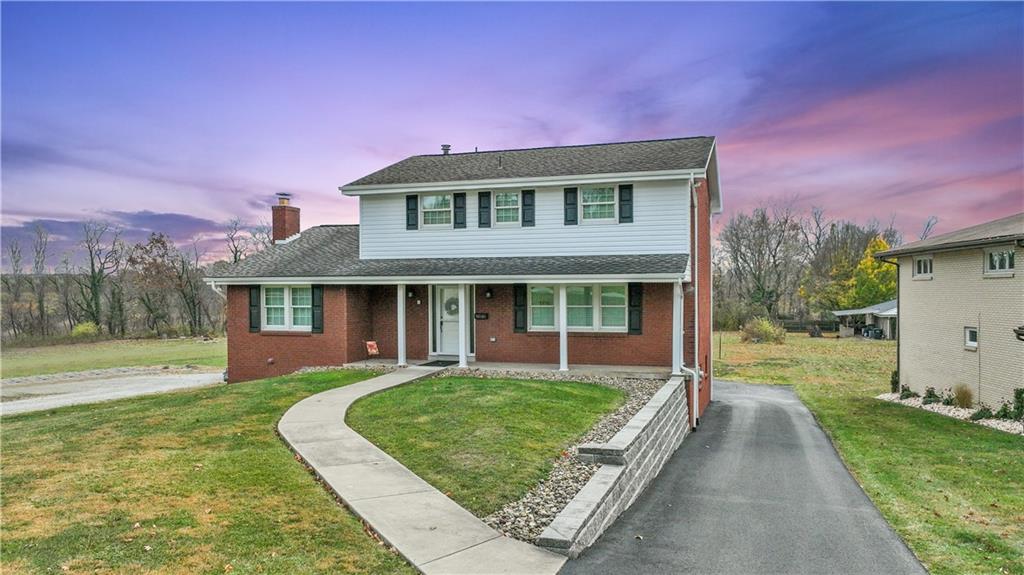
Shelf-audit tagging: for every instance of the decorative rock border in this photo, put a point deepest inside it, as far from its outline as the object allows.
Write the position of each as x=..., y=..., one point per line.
x=629, y=462
x=1007, y=425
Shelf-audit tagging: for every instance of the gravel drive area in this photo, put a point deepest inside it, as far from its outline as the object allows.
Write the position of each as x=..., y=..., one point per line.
x=526, y=518
x=1007, y=425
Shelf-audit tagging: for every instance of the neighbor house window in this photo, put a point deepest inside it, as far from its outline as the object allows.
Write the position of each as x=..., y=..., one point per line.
x=437, y=209
x=999, y=261
x=971, y=337
x=597, y=307
x=542, y=307
x=288, y=308
x=506, y=207
x=597, y=203
x=923, y=267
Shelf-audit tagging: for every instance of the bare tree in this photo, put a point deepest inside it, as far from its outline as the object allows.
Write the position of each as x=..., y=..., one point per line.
x=261, y=236
x=63, y=282
x=190, y=285
x=929, y=225
x=237, y=239
x=153, y=265
x=103, y=251
x=13, y=283
x=39, y=254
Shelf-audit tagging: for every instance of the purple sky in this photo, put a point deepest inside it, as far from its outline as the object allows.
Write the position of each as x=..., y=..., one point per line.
x=176, y=117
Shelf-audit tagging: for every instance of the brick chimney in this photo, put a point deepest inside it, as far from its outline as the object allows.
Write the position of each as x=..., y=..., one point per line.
x=285, y=218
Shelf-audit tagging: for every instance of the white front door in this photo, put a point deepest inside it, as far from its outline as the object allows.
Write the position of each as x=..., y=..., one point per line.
x=446, y=304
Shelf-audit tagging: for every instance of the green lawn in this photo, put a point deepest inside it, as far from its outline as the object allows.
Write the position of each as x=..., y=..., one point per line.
x=953, y=490
x=189, y=482
x=22, y=361
x=483, y=442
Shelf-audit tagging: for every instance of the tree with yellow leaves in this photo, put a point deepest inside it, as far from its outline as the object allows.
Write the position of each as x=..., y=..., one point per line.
x=873, y=281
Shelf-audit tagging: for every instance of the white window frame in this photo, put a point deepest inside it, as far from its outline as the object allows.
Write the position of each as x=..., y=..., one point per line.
x=519, y=209
x=997, y=273
x=921, y=275
x=288, y=325
x=423, y=212
x=968, y=344
x=614, y=202
x=595, y=302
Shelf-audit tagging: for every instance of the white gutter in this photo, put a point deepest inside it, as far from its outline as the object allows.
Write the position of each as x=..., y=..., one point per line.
x=381, y=280
x=540, y=182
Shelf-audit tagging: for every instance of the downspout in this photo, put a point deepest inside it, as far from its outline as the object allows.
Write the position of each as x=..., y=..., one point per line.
x=696, y=308
x=899, y=318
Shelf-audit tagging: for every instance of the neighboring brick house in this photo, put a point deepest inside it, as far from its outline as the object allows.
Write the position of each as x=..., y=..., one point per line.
x=596, y=254
x=960, y=299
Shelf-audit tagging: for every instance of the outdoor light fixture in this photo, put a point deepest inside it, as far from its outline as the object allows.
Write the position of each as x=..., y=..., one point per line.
x=488, y=293
x=410, y=293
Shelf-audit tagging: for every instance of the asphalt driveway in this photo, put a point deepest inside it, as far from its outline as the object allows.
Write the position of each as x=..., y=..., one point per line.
x=757, y=489
x=41, y=392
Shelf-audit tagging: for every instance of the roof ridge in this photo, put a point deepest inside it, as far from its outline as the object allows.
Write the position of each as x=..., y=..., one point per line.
x=561, y=147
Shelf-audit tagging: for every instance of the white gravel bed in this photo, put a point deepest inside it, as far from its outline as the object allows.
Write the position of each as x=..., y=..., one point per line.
x=526, y=518
x=1007, y=425
x=376, y=368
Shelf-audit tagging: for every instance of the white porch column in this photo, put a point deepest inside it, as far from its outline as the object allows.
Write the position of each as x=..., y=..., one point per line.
x=563, y=330
x=400, y=300
x=677, y=328
x=463, y=322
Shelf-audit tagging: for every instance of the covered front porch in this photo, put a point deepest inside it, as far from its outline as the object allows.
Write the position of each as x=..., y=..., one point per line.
x=596, y=370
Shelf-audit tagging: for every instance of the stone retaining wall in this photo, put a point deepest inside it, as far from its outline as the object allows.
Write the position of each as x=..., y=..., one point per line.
x=630, y=461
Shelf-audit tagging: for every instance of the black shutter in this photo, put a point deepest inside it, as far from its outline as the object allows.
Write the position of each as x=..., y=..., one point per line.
x=254, y=308
x=626, y=204
x=484, y=212
x=318, y=309
x=571, y=211
x=636, y=306
x=519, y=307
x=528, y=204
x=459, y=200
x=412, y=216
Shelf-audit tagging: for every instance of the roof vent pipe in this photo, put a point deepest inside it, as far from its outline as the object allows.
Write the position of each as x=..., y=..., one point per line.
x=445, y=148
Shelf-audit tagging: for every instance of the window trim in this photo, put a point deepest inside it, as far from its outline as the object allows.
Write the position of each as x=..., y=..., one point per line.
x=519, y=209
x=968, y=344
x=423, y=212
x=595, y=303
x=1008, y=272
x=288, y=324
x=922, y=276
x=614, y=219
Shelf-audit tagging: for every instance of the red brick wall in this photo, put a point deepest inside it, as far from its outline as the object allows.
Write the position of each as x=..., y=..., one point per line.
x=652, y=347
x=266, y=354
x=384, y=327
x=700, y=268
x=285, y=221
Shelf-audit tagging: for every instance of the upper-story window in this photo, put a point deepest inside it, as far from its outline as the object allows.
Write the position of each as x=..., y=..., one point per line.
x=436, y=210
x=506, y=208
x=597, y=204
x=922, y=267
x=288, y=308
x=999, y=261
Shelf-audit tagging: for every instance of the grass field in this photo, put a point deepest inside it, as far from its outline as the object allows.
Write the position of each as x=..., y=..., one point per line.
x=483, y=442
x=190, y=482
x=22, y=361
x=953, y=490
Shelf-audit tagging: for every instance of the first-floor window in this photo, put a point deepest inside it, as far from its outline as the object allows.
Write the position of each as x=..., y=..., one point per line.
x=288, y=307
x=999, y=261
x=971, y=337
x=597, y=307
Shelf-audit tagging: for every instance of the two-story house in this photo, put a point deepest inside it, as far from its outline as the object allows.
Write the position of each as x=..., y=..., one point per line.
x=594, y=254
x=960, y=300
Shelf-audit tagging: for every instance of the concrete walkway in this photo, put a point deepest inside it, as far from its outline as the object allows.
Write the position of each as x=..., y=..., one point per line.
x=430, y=530
x=758, y=488
x=39, y=393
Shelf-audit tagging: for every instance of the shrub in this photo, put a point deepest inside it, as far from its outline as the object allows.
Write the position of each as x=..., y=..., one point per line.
x=930, y=396
x=85, y=330
x=948, y=398
x=906, y=393
x=762, y=330
x=963, y=396
x=894, y=382
x=1005, y=411
x=982, y=413
x=1018, y=403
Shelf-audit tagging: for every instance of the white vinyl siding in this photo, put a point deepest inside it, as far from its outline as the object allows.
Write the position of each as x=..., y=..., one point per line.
x=661, y=225
x=597, y=307
x=287, y=308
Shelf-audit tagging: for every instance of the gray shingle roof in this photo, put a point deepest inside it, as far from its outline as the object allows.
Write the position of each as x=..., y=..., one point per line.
x=651, y=155
x=333, y=251
x=1005, y=229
